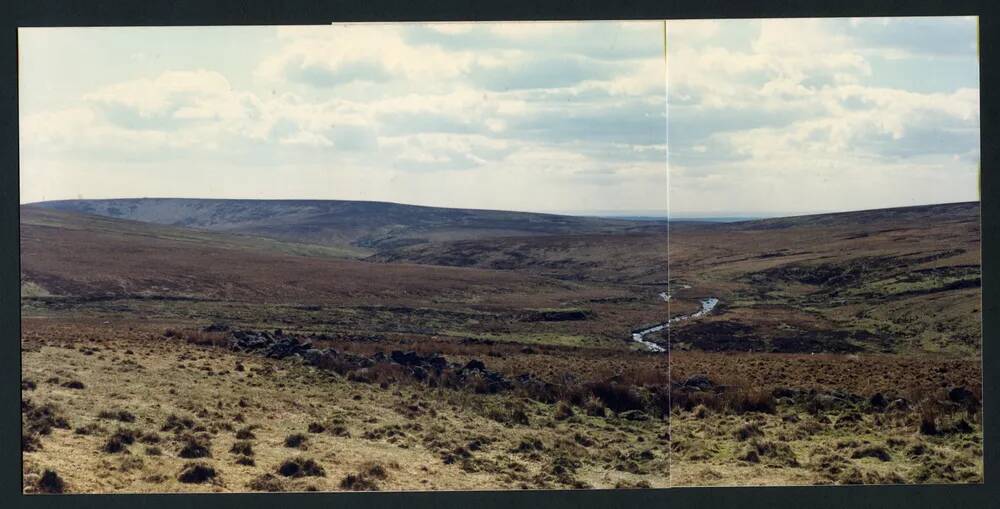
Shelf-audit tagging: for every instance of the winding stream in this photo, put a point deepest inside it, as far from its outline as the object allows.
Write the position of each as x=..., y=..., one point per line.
x=707, y=305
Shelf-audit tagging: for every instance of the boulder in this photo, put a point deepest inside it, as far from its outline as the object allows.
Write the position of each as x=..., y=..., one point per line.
x=405, y=358
x=827, y=402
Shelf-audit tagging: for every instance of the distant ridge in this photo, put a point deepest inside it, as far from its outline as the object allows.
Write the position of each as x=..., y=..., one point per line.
x=340, y=222
x=860, y=217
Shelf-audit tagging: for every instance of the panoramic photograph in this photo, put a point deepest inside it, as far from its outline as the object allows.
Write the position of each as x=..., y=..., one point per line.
x=500, y=256
x=824, y=252
x=344, y=258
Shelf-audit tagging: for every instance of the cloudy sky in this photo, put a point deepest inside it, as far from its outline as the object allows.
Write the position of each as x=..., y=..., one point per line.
x=765, y=117
x=523, y=116
x=790, y=116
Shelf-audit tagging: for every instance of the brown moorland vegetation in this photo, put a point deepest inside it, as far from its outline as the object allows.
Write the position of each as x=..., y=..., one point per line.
x=844, y=349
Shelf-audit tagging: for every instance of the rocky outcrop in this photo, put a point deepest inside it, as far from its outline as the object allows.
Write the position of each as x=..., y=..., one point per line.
x=278, y=345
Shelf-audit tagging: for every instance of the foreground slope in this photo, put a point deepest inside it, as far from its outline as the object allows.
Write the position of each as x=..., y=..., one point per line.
x=130, y=382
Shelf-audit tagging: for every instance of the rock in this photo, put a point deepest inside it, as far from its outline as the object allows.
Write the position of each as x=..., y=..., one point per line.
x=312, y=356
x=405, y=358
x=898, y=405
x=827, y=401
x=430, y=362
x=284, y=347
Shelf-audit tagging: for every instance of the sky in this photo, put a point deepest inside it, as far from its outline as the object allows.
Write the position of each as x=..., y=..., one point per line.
x=781, y=117
x=755, y=117
x=517, y=116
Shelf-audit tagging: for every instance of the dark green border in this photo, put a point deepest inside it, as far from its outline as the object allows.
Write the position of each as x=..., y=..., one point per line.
x=250, y=12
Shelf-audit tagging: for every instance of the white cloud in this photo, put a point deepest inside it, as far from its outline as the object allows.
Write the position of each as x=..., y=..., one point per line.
x=336, y=55
x=482, y=107
x=690, y=31
x=790, y=118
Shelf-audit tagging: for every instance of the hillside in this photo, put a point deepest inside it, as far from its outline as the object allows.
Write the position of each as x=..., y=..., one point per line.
x=111, y=265
x=360, y=224
x=81, y=255
x=904, y=279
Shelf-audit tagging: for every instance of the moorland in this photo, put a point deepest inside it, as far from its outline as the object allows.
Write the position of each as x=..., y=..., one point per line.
x=291, y=345
x=186, y=345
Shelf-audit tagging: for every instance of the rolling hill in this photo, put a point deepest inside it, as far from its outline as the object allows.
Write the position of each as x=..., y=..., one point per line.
x=362, y=224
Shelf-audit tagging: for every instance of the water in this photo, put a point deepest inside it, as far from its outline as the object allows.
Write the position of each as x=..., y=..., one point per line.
x=707, y=305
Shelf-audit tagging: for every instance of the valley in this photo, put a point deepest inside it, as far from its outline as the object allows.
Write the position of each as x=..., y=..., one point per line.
x=551, y=351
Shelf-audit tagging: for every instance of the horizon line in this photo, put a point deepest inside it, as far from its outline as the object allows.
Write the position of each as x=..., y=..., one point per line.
x=648, y=213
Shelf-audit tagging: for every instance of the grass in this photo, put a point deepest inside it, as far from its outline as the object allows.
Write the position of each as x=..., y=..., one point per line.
x=272, y=400
x=532, y=338
x=851, y=443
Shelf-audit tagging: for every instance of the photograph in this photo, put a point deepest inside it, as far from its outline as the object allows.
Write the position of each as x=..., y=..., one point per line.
x=824, y=253
x=501, y=255
x=350, y=257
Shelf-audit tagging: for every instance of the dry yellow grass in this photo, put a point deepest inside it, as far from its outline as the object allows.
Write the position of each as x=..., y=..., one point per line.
x=139, y=371
x=807, y=450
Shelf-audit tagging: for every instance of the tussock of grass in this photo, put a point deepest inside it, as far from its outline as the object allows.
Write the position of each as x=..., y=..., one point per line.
x=50, y=482
x=297, y=441
x=747, y=431
x=243, y=448
x=267, y=482
x=197, y=473
x=117, y=415
x=195, y=446
x=301, y=467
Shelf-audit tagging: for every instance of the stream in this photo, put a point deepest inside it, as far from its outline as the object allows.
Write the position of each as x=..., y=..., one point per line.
x=707, y=305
